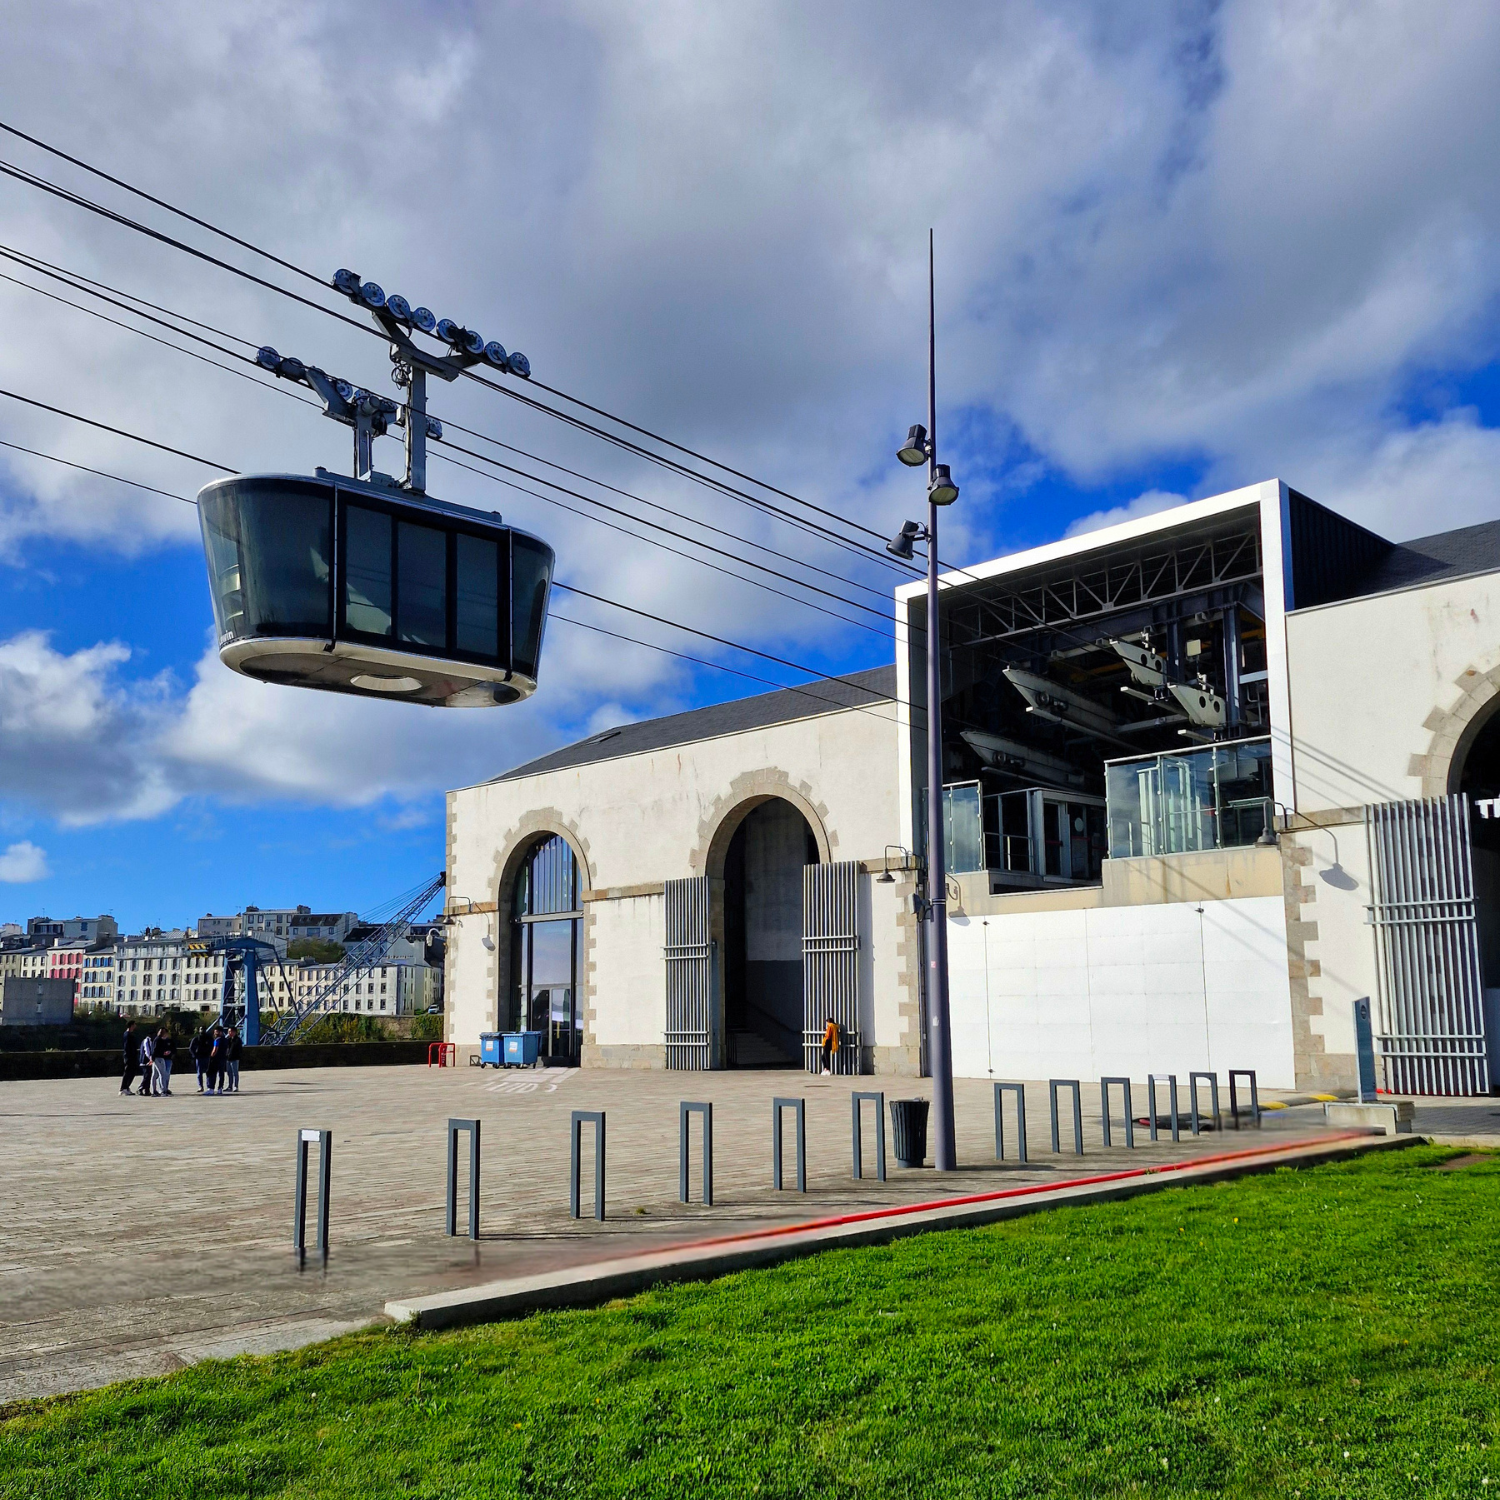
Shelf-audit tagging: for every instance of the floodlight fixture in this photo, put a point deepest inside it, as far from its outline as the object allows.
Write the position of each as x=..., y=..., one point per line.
x=371, y=294
x=399, y=308
x=913, y=452
x=900, y=545
x=423, y=320
x=519, y=364
x=496, y=355
x=267, y=358
x=942, y=490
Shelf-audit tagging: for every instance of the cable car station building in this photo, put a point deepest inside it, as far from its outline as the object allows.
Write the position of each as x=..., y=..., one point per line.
x=1210, y=776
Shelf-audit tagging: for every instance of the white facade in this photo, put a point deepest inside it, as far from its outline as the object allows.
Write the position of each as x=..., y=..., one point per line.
x=639, y=820
x=1375, y=671
x=394, y=988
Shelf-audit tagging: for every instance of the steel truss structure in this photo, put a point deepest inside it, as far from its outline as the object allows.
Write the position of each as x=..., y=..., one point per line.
x=1217, y=566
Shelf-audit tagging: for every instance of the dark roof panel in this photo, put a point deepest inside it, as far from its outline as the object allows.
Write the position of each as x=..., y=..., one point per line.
x=1429, y=559
x=1331, y=555
x=785, y=706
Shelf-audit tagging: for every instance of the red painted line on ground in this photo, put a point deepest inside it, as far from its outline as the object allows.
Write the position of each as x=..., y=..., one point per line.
x=1030, y=1190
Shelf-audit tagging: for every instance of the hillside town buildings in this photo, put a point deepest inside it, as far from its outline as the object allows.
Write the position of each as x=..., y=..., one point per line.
x=149, y=973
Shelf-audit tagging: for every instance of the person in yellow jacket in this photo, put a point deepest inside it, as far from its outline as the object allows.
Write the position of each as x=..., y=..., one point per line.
x=830, y=1045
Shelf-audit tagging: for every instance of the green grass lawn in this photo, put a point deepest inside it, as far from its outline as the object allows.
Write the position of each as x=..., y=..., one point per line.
x=1325, y=1332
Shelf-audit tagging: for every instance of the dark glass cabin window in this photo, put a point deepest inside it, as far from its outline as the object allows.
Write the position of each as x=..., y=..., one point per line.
x=367, y=570
x=531, y=572
x=269, y=546
x=545, y=940
x=477, y=601
x=422, y=585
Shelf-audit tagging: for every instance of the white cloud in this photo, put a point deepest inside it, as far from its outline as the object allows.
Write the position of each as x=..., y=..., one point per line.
x=22, y=863
x=74, y=738
x=1226, y=236
x=1146, y=504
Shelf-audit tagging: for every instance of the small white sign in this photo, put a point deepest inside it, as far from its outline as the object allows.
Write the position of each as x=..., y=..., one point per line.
x=311, y=1135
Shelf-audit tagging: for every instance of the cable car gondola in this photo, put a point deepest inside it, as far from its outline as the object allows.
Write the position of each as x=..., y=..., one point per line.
x=370, y=585
x=328, y=582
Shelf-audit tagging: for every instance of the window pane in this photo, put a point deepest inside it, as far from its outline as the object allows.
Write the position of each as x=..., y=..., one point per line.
x=422, y=585
x=268, y=546
x=478, y=602
x=531, y=572
x=552, y=879
x=367, y=570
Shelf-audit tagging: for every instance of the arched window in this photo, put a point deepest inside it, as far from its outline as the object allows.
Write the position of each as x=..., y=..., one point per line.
x=547, y=925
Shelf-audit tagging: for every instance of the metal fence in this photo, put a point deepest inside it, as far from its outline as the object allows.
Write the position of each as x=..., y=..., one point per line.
x=690, y=976
x=830, y=962
x=1431, y=1023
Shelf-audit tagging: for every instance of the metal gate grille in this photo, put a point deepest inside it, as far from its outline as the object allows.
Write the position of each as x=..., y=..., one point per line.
x=690, y=977
x=830, y=962
x=1431, y=1023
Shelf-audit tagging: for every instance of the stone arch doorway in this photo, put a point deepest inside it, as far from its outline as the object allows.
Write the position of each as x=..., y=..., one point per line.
x=1476, y=772
x=545, y=959
x=761, y=906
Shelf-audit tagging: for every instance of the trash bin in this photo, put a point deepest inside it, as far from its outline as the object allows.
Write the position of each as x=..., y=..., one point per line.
x=522, y=1048
x=909, y=1131
x=489, y=1049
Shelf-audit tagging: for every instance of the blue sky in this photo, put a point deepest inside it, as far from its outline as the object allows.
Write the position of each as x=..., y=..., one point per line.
x=1180, y=249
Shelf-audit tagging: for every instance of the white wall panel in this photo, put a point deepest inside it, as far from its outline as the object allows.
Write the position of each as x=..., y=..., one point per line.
x=630, y=998
x=1123, y=990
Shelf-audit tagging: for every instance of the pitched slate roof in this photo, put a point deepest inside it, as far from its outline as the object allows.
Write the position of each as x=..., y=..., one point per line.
x=1428, y=559
x=785, y=706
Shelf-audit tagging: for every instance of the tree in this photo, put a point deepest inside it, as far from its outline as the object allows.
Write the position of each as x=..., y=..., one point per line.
x=320, y=950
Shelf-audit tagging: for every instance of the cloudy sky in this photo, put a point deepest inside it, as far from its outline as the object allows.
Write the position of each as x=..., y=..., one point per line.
x=1180, y=248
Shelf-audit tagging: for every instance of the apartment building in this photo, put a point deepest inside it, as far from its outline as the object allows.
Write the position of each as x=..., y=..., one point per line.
x=397, y=987
x=42, y=930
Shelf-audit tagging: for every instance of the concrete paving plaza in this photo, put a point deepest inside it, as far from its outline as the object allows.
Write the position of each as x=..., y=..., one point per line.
x=137, y=1235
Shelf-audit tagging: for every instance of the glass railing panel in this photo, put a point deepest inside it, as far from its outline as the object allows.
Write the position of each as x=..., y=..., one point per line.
x=1215, y=797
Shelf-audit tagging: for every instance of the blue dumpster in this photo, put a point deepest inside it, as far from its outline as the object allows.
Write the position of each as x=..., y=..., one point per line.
x=489, y=1050
x=522, y=1048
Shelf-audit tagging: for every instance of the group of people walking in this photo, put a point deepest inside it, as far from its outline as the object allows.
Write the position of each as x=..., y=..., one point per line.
x=215, y=1052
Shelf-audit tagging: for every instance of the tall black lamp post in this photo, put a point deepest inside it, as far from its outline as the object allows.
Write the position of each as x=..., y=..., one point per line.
x=920, y=448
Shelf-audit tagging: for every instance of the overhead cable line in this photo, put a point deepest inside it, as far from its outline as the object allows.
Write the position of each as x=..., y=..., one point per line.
x=717, y=666
x=66, y=194
x=80, y=282
x=652, y=541
x=155, y=338
x=182, y=213
x=813, y=672
x=71, y=279
x=881, y=615
x=322, y=281
x=134, y=437
x=884, y=629
x=102, y=473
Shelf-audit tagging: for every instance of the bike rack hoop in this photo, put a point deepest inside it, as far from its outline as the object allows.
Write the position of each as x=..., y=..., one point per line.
x=1053, y=1084
x=878, y=1100
x=799, y=1108
x=685, y=1111
x=1019, y=1090
x=582, y=1117
x=454, y=1129
x=323, y=1139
